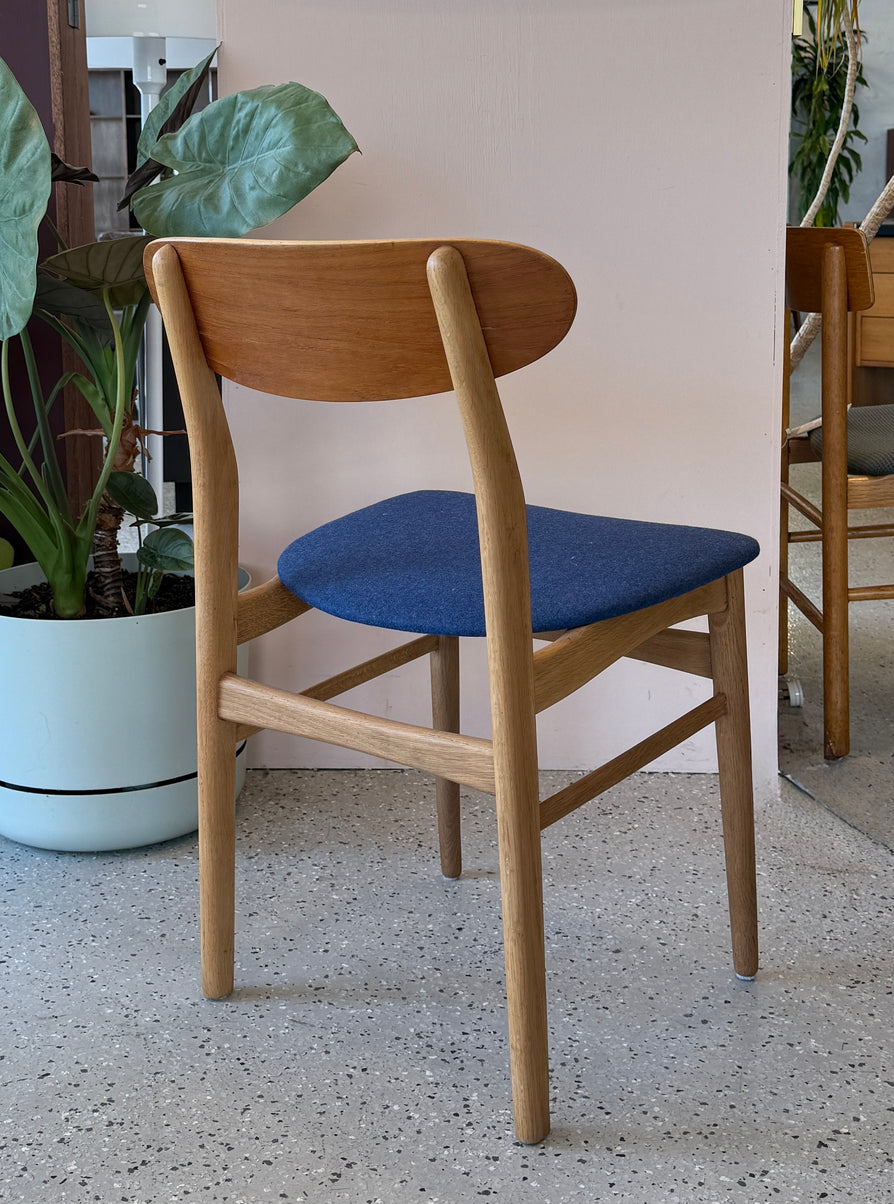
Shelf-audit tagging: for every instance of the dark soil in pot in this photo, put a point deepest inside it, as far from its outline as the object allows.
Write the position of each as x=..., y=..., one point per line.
x=175, y=593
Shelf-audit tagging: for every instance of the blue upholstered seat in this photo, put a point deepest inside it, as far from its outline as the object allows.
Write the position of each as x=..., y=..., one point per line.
x=411, y=563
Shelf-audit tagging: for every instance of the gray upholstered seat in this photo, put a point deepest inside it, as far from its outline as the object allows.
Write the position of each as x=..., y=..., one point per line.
x=870, y=440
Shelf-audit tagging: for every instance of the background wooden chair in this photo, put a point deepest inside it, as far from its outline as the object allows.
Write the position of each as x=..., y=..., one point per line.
x=828, y=272
x=363, y=321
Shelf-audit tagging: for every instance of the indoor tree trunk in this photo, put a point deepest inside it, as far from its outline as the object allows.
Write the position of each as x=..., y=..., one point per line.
x=108, y=590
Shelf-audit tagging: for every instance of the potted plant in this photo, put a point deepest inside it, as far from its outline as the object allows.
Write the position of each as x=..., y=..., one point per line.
x=826, y=71
x=239, y=163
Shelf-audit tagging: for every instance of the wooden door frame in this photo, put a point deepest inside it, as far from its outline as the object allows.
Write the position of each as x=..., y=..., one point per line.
x=70, y=106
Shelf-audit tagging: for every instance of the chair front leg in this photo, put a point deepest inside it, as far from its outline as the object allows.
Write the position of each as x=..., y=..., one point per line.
x=445, y=717
x=783, y=570
x=836, y=649
x=733, y=731
x=836, y=665
x=217, y=853
x=216, y=655
x=785, y=476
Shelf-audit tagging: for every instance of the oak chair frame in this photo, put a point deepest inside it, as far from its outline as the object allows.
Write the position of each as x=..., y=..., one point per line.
x=523, y=681
x=828, y=272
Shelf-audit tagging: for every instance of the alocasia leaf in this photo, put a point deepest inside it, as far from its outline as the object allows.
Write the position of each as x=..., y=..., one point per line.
x=24, y=192
x=242, y=162
x=167, y=550
x=133, y=493
x=114, y=263
x=64, y=173
x=172, y=110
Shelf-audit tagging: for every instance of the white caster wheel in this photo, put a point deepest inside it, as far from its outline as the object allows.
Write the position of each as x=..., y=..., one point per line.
x=791, y=691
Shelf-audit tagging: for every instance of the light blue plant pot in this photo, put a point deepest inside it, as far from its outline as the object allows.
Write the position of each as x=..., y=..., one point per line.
x=97, y=728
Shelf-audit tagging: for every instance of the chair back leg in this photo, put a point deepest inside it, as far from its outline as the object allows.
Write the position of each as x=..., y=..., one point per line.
x=733, y=731
x=445, y=717
x=518, y=829
x=521, y=887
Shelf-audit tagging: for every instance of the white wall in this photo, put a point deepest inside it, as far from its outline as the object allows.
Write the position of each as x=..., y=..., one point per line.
x=876, y=103
x=641, y=143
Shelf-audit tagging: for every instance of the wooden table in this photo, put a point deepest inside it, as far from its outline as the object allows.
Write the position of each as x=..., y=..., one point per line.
x=872, y=344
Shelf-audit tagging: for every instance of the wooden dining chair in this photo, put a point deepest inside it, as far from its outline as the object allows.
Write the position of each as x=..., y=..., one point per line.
x=828, y=272
x=363, y=321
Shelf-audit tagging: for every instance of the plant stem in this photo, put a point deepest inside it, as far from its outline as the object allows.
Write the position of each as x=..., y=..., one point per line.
x=882, y=206
x=101, y=515
x=810, y=327
x=853, y=64
x=16, y=430
x=51, y=471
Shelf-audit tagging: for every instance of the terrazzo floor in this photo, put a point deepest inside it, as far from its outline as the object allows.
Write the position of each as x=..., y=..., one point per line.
x=860, y=787
x=363, y=1057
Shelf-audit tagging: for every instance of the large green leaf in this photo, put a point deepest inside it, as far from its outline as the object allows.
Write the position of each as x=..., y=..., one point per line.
x=133, y=493
x=243, y=161
x=173, y=107
x=167, y=550
x=57, y=297
x=172, y=110
x=179, y=517
x=114, y=263
x=24, y=192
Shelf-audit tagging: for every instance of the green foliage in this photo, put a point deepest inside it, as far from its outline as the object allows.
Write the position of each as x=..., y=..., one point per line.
x=6, y=554
x=238, y=164
x=242, y=162
x=133, y=494
x=830, y=18
x=33, y=496
x=24, y=192
x=173, y=108
x=165, y=550
x=168, y=115
x=819, y=77
x=115, y=264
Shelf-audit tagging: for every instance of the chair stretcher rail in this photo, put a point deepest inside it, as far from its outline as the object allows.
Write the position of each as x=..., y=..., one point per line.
x=358, y=675
x=464, y=759
x=565, y=801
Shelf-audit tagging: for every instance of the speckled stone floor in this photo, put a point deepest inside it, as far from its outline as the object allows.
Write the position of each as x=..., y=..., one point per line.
x=363, y=1056
x=860, y=787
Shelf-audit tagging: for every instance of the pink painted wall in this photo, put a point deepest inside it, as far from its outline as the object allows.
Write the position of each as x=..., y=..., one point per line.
x=642, y=144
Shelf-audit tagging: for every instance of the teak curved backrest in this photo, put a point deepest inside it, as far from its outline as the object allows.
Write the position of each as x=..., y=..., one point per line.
x=354, y=321
x=805, y=248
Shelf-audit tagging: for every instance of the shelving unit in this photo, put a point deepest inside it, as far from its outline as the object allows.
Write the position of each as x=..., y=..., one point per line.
x=114, y=129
